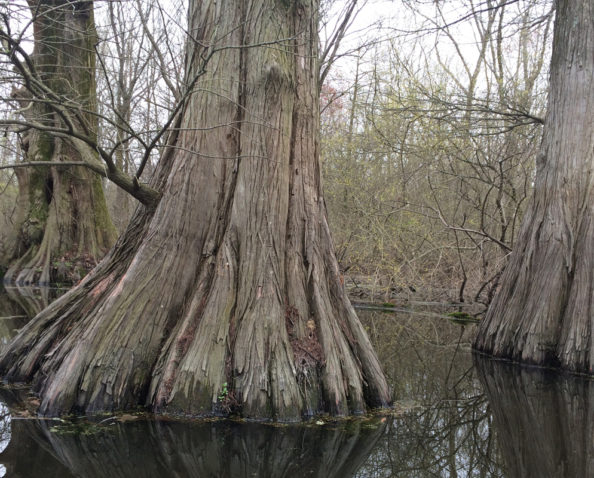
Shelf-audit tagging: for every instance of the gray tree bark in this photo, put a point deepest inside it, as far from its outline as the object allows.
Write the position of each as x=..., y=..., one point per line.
x=227, y=296
x=63, y=227
x=543, y=312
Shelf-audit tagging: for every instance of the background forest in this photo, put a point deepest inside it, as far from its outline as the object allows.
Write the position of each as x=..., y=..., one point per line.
x=431, y=120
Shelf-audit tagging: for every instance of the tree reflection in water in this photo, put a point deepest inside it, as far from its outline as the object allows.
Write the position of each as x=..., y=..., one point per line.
x=544, y=419
x=19, y=304
x=447, y=429
x=162, y=449
x=28, y=301
x=5, y=432
x=451, y=420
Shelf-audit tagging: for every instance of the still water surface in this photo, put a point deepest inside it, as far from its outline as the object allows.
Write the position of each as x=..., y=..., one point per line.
x=455, y=416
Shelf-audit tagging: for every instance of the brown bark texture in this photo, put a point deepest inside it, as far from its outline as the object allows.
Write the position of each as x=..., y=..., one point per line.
x=227, y=297
x=543, y=313
x=62, y=227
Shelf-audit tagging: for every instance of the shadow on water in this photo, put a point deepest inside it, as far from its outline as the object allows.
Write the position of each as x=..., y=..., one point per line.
x=544, y=419
x=161, y=449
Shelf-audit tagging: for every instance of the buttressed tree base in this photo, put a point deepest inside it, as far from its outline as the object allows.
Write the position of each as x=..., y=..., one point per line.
x=227, y=295
x=543, y=312
x=62, y=227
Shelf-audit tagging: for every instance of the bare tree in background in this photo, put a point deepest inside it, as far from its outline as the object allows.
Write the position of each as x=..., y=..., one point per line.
x=140, y=73
x=226, y=294
x=433, y=151
x=62, y=227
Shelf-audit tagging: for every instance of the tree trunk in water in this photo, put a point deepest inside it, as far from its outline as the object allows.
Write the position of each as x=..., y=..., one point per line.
x=63, y=227
x=228, y=295
x=543, y=312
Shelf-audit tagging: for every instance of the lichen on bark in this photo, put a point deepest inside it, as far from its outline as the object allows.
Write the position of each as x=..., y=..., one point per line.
x=64, y=227
x=196, y=292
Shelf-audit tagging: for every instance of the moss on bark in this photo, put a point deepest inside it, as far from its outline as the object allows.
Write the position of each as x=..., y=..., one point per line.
x=195, y=294
x=65, y=218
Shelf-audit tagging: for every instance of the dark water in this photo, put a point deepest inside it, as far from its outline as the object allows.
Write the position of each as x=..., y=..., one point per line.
x=455, y=416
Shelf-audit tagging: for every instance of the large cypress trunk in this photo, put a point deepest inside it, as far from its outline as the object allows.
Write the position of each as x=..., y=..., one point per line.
x=543, y=312
x=228, y=295
x=63, y=227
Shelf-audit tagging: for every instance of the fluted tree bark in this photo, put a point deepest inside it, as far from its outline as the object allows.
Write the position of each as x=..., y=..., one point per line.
x=543, y=311
x=63, y=227
x=227, y=296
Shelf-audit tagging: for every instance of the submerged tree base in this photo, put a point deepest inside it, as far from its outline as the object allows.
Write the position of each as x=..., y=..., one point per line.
x=62, y=342
x=227, y=295
x=542, y=314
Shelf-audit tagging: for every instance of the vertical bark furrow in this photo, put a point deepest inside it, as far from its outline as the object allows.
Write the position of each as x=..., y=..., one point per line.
x=543, y=312
x=230, y=299
x=64, y=226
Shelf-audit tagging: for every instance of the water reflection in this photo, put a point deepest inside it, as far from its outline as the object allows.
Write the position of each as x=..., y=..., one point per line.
x=19, y=304
x=442, y=428
x=447, y=428
x=160, y=449
x=452, y=418
x=544, y=419
x=12, y=318
x=453, y=441
x=426, y=359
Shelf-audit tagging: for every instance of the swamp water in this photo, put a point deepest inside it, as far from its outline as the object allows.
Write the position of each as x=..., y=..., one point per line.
x=455, y=416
